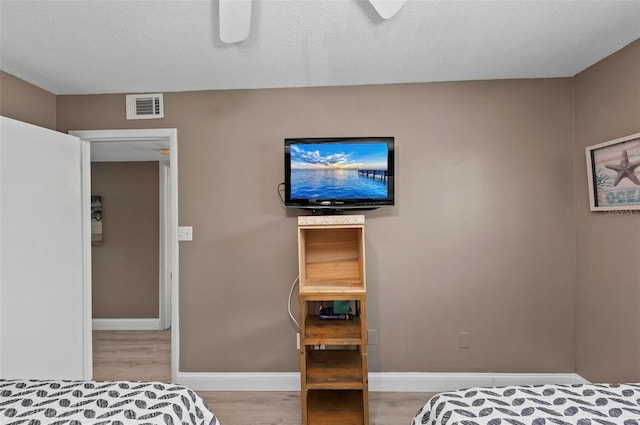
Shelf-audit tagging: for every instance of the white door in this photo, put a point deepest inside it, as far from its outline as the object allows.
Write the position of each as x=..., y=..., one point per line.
x=42, y=298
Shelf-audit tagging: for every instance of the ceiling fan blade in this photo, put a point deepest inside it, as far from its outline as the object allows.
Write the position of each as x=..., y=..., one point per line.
x=387, y=8
x=235, y=20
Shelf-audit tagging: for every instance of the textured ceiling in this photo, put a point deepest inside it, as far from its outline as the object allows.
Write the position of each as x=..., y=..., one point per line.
x=82, y=47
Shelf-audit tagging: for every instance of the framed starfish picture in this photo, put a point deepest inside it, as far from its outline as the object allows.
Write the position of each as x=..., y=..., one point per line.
x=96, y=220
x=614, y=174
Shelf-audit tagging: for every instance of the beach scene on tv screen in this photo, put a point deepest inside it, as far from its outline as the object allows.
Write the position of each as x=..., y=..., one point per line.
x=339, y=171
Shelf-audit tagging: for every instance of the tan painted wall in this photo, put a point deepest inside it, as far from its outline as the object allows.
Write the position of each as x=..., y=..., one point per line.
x=25, y=102
x=481, y=239
x=607, y=106
x=125, y=267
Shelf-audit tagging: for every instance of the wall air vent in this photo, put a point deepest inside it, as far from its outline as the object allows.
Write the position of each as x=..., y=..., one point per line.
x=145, y=106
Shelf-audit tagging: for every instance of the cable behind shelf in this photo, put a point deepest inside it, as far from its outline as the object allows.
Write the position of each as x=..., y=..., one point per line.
x=293, y=319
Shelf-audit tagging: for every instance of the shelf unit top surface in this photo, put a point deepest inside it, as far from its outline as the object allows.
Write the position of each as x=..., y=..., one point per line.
x=330, y=220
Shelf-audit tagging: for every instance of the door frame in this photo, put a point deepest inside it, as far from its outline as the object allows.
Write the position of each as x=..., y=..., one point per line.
x=164, y=310
x=171, y=223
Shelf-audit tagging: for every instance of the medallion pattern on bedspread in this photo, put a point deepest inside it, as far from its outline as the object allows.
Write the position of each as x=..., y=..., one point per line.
x=100, y=403
x=580, y=404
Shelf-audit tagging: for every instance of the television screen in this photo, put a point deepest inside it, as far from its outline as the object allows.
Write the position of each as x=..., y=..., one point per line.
x=340, y=173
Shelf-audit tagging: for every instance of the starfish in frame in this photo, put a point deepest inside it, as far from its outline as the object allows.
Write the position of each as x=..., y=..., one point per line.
x=625, y=169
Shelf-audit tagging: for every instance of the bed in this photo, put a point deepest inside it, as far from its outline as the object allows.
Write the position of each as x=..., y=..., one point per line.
x=40, y=402
x=581, y=404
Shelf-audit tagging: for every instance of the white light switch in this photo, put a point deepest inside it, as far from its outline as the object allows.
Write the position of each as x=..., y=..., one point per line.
x=185, y=233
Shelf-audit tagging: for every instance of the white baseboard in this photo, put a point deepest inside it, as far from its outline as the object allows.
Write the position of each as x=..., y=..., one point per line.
x=378, y=381
x=126, y=324
x=436, y=382
x=240, y=381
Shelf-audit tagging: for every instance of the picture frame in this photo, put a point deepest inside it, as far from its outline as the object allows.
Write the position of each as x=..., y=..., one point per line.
x=613, y=170
x=96, y=220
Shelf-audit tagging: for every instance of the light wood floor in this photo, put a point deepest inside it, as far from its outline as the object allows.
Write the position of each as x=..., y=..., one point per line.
x=132, y=356
x=146, y=356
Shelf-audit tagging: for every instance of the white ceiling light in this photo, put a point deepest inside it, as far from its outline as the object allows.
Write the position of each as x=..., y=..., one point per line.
x=235, y=20
x=387, y=8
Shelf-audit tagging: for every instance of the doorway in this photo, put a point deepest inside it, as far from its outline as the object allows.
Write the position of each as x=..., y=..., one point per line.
x=129, y=252
x=116, y=145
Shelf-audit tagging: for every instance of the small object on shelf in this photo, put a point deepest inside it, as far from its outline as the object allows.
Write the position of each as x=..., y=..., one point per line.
x=341, y=307
x=330, y=313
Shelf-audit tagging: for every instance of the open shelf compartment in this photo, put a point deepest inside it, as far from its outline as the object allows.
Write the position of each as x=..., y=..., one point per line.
x=343, y=407
x=332, y=259
x=334, y=369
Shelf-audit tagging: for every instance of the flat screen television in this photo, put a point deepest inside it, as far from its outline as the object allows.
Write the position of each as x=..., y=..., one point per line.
x=339, y=173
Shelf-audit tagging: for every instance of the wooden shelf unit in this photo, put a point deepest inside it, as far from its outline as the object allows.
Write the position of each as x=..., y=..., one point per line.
x=333, y=353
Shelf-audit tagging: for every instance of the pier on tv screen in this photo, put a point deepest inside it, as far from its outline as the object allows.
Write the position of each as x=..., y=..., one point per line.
x=339, y=171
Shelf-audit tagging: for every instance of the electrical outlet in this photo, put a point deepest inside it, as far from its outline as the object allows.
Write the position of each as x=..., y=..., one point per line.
x=372, y=337
x=464, y=340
